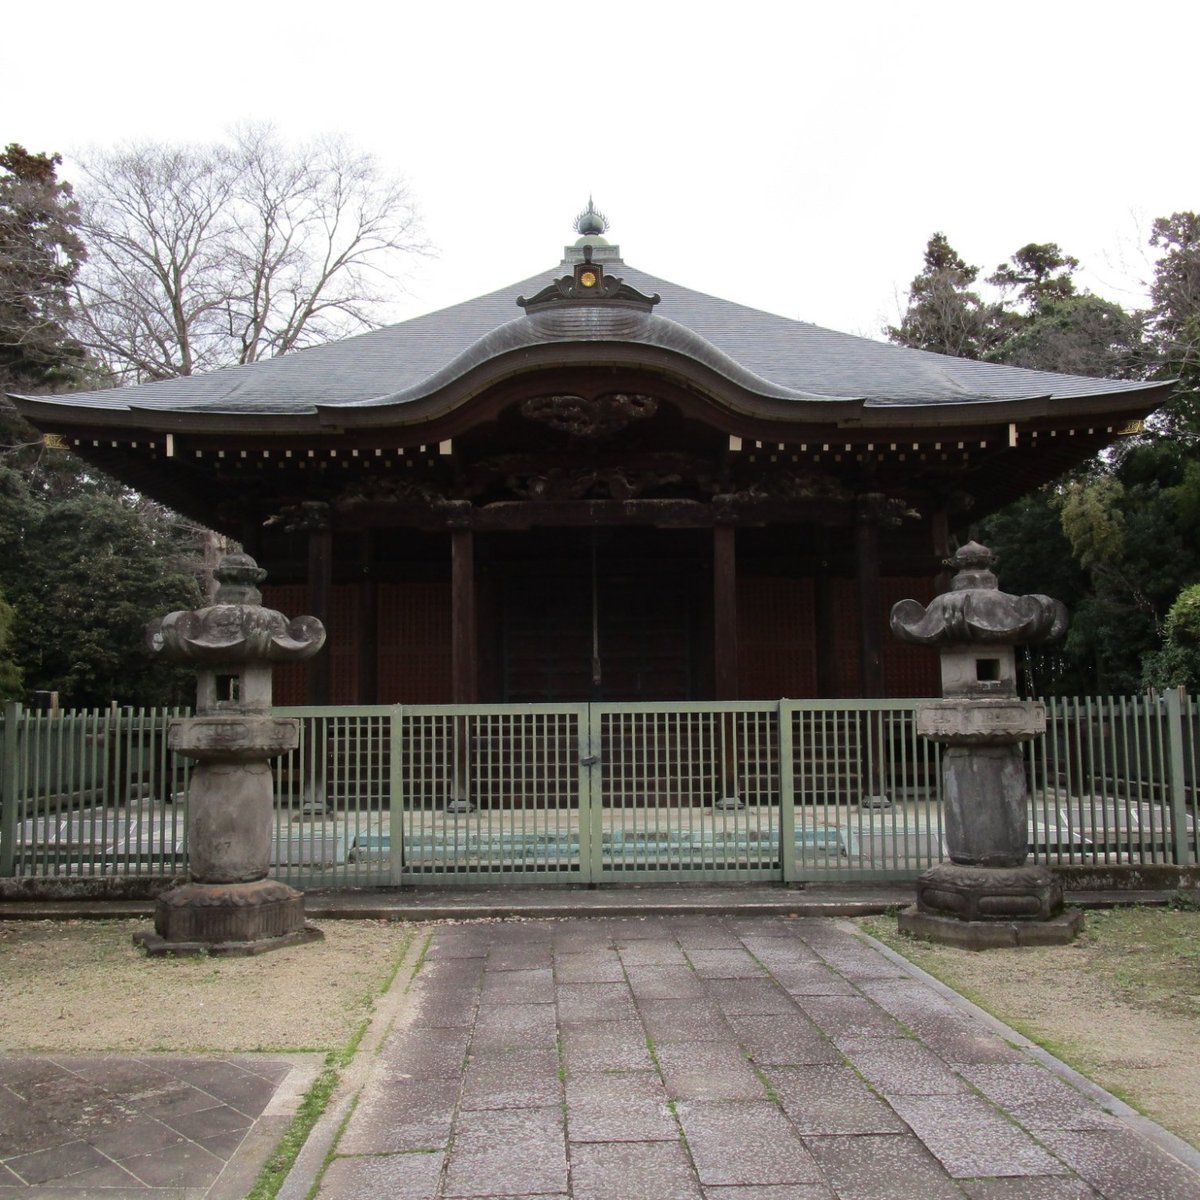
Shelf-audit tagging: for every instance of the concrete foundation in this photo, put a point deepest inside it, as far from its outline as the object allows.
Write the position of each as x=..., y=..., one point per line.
x=1059, y=930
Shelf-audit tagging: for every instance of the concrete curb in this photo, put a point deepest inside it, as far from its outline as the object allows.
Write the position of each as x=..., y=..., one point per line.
x=499, y=903
x=323, y=1138
x=240, y=1172
x=1142, y=1125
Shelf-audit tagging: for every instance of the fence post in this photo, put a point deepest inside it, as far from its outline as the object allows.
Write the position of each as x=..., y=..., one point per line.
x=113, y=792
x=9, y=800
x=787, y=794
x=591, y=812
x=395, y=796
x=1176, y=780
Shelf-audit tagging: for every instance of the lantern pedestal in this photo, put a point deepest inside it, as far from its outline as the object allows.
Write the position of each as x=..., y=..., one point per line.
x=994, y=932
x=229, y=906
x=238, y=919
x=986, y=896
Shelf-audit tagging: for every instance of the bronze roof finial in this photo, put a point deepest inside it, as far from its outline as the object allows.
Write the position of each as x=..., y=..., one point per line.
x=591, y=222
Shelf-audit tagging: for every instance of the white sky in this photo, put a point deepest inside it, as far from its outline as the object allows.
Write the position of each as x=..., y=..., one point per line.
x=791, y=156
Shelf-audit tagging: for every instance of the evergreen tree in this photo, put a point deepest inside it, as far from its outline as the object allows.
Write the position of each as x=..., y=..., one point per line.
x=1042, y=275
x=40, y=255
x=1052, y=326
x=85, y=569
x=944, y=315
x=1177, y=664
x=11, y=677
x=1115, y=539
x=1175, y=314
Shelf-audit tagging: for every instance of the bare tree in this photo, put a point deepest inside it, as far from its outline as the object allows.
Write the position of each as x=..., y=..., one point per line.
x=206, y=256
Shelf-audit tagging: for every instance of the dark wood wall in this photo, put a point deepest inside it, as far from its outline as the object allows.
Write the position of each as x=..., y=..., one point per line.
x=535, y=635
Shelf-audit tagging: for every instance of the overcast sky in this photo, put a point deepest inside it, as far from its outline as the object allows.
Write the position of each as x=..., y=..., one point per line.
x=794, y=157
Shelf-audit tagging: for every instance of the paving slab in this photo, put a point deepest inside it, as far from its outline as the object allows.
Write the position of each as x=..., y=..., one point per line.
x=701, y=1054
x=972, y=1139
x=782, y=1039
x=884, y=1167
x=633, y=1171
x=606, y=1046
x=522, y=1152
x=511, y=1079
x=745, y=1143
x=148, y=1125
x=626, y=1106
x=830, y=1100
x=708, y=1071
x=729, y=1057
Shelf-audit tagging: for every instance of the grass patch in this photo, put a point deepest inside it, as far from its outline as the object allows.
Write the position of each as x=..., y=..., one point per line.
x=772, y=1094
x=1149, y=957
x=1120, y=1004
x=316, y=1099
x=650, y=1050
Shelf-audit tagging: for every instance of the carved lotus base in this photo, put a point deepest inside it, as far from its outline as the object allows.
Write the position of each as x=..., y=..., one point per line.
x=980, y=908
x=228, y=919
x=973, y=893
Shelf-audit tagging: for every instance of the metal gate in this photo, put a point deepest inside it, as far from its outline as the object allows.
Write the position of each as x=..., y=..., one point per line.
x=787, y=790
x=605, y=792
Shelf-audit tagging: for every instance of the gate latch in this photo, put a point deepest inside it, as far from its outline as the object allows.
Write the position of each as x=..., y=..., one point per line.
x=590, y=761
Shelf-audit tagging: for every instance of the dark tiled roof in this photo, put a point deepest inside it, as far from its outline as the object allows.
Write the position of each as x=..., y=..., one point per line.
x=762, y=353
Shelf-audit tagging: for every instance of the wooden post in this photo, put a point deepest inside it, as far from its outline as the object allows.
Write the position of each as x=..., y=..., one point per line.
x=368, y=622
x=464, y=664
x=870, y=602
x=320, y=582
x=725, y=656
x=464, y=658
x=827, y=675
x=940, y=522
x=725, y=617
x=870, y=618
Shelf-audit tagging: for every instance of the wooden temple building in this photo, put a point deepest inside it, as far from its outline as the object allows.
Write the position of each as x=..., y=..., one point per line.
x=598, y=485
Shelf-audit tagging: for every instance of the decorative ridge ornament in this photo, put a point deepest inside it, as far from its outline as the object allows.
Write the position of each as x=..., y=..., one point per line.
x=588, y=284
x=589, y=417
x=976, y=611
x=591, y=222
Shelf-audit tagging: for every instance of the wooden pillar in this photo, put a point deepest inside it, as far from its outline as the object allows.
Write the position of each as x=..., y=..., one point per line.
x=464, y=653
x=251, y=532
x=320, y=582
x=368, y=621
x=827, y=674
x=725, y=617
x=870, y=602
x=941, y=548
x=725, y=657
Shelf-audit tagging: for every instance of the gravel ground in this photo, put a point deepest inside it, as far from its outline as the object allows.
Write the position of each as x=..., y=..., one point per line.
x=83, y=985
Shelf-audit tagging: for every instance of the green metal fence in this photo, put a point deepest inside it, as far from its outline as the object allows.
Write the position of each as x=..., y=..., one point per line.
x=447, y=794
x=93, y=792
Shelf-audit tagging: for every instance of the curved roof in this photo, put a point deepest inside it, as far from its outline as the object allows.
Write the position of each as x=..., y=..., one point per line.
x=758, y=353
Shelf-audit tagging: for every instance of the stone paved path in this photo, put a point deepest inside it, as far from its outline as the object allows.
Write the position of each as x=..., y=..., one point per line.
x=703, y=1058
x=155, y=1126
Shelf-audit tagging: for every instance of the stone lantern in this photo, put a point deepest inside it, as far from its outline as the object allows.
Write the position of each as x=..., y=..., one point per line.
x=229, y=906
x=986, y=895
